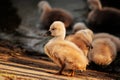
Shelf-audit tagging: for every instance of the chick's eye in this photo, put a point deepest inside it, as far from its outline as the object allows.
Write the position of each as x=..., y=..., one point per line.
x=53, y=29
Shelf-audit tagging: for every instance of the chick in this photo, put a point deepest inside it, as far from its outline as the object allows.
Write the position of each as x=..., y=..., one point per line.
x=105, y=47
x=79, y=26
x=83, y=39
x=49, y=15
x=63, y=52
x=113, y=38
x=103, y=19
x=104, y=51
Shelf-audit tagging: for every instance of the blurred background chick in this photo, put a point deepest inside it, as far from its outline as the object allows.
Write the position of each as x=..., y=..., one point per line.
x=49, y=15
x=103, y=19
x=82, y=37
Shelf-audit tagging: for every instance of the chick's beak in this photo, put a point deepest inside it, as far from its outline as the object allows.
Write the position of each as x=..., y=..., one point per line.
x=48, y=33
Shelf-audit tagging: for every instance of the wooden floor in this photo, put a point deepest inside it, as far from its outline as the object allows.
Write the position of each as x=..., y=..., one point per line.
x=44, y=69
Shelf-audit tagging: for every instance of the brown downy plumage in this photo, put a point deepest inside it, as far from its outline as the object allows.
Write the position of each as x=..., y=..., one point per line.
x=103, y=19
x=49, y=15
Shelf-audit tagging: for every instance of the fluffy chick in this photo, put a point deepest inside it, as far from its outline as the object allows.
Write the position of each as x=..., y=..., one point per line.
x=79, y=26
x=103, y=52
x=103, y=19
x=83, y=39
x=49, y=15
x=113, y=38
x=105, y=47
x=63, y=52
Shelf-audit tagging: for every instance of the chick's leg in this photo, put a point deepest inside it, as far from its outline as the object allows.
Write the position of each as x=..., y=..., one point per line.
x=62, y=68
x=72, y=73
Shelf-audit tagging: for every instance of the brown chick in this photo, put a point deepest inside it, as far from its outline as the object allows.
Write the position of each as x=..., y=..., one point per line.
x=49, y=15
x=103, y=19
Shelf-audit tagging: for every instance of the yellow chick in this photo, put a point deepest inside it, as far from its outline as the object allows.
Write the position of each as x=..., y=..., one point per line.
x=83, y=39
x=63, y=52
x=113, y=38
x=103, y=52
